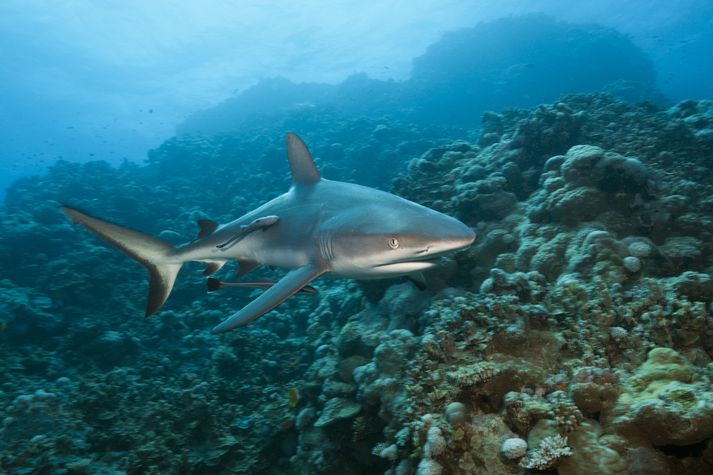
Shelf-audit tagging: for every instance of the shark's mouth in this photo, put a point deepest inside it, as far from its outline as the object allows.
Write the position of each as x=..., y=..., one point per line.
x=431, y=260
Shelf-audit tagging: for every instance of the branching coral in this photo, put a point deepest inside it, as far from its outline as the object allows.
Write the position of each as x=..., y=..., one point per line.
x=550, y=451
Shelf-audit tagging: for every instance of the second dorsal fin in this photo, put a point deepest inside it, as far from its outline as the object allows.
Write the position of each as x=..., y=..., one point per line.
x=206, y=228
x=304, y=172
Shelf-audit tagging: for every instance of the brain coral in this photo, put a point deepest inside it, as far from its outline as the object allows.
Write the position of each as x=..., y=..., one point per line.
x=667, y=401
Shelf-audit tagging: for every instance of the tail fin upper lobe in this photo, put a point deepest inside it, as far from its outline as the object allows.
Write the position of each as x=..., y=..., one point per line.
x=153, y=253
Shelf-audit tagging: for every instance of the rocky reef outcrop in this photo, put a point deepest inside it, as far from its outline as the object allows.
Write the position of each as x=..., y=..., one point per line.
x=583, y=329
x=574, y=337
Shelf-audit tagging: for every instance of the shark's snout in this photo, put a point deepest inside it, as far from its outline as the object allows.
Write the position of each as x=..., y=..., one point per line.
x=467, y=237
x=454, y=235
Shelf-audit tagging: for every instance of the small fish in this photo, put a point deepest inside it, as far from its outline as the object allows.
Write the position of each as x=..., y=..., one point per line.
x=293, y=397
x=215, y=284
x=260, y=223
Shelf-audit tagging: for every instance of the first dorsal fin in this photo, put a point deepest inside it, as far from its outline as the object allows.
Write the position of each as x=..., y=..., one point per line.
x=301, y=163
x=206, y=228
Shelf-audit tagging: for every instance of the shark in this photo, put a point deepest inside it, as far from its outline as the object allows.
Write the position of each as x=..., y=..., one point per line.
x=317, y=227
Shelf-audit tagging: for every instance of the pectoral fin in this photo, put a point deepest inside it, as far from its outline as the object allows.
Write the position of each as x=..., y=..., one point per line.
x=418, y=279
x=246, y=266
x=272, y=297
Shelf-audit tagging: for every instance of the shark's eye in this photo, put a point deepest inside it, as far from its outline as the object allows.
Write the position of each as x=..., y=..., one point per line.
x=393, y=243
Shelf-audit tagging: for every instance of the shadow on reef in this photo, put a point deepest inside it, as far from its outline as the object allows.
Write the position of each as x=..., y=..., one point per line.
x=574, y=336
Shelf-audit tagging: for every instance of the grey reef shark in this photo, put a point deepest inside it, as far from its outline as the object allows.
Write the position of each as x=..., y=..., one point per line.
x=319, y=226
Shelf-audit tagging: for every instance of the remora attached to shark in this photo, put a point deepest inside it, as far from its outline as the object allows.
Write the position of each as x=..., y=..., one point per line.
x=318, y=226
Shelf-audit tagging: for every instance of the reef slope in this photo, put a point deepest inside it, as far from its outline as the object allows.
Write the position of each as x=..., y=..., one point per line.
x=580, y=321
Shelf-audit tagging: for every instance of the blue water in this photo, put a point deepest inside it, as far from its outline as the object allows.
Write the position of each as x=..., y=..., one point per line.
x=110, y=82
x=574, y=140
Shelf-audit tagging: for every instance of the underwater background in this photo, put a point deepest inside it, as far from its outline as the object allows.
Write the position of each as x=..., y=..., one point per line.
x=575, y=336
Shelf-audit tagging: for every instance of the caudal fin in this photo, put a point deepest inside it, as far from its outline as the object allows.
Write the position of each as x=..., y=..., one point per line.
x=154, y=254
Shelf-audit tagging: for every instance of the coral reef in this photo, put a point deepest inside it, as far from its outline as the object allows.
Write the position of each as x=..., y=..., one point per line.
x=666, y=400
x=575, y=336
x=548, y=453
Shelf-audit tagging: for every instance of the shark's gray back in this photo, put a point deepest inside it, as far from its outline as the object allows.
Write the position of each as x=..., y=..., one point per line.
x=306, y=211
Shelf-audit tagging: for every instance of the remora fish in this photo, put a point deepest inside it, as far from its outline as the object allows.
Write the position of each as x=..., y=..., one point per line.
x=215, y=284
x=318, y=226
